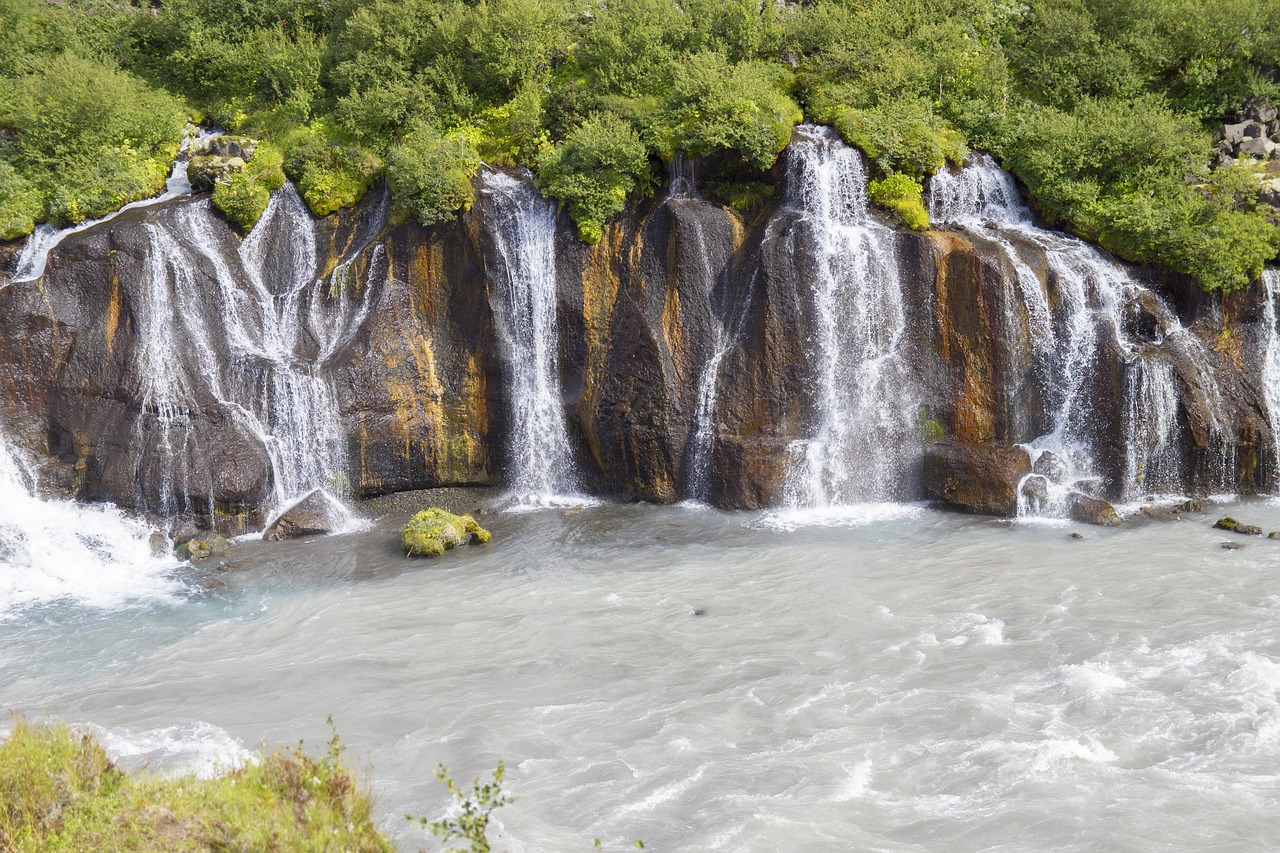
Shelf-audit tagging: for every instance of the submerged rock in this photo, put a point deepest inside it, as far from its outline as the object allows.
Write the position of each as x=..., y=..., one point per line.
x=433, y=531
x=203, y=546
x=1229, y=523
x=1089, y=510
x=978, y=478
x=314, y=515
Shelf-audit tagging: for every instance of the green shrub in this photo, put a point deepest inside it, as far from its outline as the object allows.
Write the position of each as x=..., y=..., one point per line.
x=593, y=170
x=903, y=195
x=330, y=175
x=59, y=791
x=430, y=173
x=20, y=204
x=904, y=137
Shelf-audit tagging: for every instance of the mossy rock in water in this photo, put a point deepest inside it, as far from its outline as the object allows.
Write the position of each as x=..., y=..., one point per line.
x=433, y=531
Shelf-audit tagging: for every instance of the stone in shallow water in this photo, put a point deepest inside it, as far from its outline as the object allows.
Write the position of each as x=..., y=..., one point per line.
x=202, y=546
x=433, y=531
x=314, y=515
x=1229, y=523
x=980, y=478
x=1089, y=510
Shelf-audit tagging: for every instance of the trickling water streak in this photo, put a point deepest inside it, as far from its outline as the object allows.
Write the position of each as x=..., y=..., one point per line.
x=866, y=406
x=523, y=231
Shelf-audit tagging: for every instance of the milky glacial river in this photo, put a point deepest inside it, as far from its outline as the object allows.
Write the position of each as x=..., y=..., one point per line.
x=905, y=681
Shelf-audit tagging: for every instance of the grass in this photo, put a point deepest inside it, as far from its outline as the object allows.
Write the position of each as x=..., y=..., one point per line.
x=59, y=791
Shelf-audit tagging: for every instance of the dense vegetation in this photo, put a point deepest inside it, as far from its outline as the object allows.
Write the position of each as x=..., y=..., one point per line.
x=1103, y=110
x=59, y=791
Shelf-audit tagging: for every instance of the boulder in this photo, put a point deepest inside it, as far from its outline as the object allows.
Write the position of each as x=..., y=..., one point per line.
x=1089, y=510
x=202, y=546
x=978, y=478
x=1259, y=108
x=433, y=531
x=1050, y=466
x=316, y=514
x=1233, y=133
x=1229, y=523
x=1256, y=146
x=1036, y=489
x=230, y=146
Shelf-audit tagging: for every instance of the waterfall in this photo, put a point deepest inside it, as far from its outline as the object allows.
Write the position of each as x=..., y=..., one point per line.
x=1094, y=295
x=1271, y=365
x=256, y=345
x=523, y=228
x=866, y=409
x=64, y=551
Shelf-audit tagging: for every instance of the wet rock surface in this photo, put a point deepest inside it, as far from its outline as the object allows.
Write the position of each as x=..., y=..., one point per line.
x=978, y=478
x=1089, y=510
x=316, y=514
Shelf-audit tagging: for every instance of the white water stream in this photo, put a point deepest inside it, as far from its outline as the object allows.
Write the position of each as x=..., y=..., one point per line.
x=865, y=435
x=523, y=228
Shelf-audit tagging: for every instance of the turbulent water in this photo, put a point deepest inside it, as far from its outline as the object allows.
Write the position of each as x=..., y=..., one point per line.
x=865, y=433
x=523, y=228
x=1086, y=324
x=936, y=683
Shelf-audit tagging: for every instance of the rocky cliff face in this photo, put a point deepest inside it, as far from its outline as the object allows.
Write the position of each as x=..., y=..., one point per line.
x=164, y=365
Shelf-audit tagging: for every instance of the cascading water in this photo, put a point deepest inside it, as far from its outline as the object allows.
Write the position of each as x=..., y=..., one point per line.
x=277, y=325
x=64, y=551
x=866, y=433
x=1093, y=295
x=1271, y=363
x=30, y=261
x=523, y=227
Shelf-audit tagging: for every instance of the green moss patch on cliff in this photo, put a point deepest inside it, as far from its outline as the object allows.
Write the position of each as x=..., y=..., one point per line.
x=60, y=791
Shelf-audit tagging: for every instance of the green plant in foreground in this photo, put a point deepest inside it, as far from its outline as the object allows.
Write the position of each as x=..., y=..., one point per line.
x=477, y=805
x=60, y=791
x=903, y=195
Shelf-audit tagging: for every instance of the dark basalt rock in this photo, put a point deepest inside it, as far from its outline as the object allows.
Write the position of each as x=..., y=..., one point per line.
x=1229, y=523
x=979, y=478
x=1088, y=510
x=1048, y=465
x=314, y=515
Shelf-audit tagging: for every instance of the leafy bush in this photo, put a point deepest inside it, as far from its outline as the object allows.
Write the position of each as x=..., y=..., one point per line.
x=902, y=137
x=20, y=204
x=593, y=170
x=430, y=173
x=330, y=175
x=902, y=194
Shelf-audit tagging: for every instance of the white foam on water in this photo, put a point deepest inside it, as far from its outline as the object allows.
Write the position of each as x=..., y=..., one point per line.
x=851, y=515
x=62, y=551
x=197, y=748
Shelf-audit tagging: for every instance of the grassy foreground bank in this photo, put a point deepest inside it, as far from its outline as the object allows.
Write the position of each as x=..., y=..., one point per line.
x=60, y=792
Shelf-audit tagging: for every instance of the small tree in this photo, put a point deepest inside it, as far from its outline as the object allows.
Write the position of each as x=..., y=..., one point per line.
x=477, y=805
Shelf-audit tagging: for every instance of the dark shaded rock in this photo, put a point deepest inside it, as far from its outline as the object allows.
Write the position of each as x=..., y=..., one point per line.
x=159, y=544
x=1089, y=510
x=316, y=514
x=229, y=146
x=1229, y=523
x=1075, y=535
x=1050, y=465
x=1191, y=505
x=1233, y=133
x=1275, y=534
x=1259, y=108
x=979, y=478
x=204, y=170
x=1232, y=546
x=1259, y=147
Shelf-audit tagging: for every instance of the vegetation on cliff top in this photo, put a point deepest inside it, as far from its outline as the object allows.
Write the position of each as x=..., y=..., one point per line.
x=1102, y=111
x=59, y=791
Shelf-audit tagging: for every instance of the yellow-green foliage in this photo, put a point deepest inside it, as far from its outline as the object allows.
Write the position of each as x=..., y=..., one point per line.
x=331, y=170
x=243, y=196
x=433, y=531
x=60, y=792
x=904, y=195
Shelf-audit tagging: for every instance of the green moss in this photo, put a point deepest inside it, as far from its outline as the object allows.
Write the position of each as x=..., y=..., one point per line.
x=747, y=197
x=243, y=196
x=433, y=531
x=930, y=429
x=331, y=172
x=903, y=195
x=59, y=791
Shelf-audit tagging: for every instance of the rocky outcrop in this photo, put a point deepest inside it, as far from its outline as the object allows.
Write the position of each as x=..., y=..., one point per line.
x=1091, y=510
x=400, y=322
x=977, y=478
